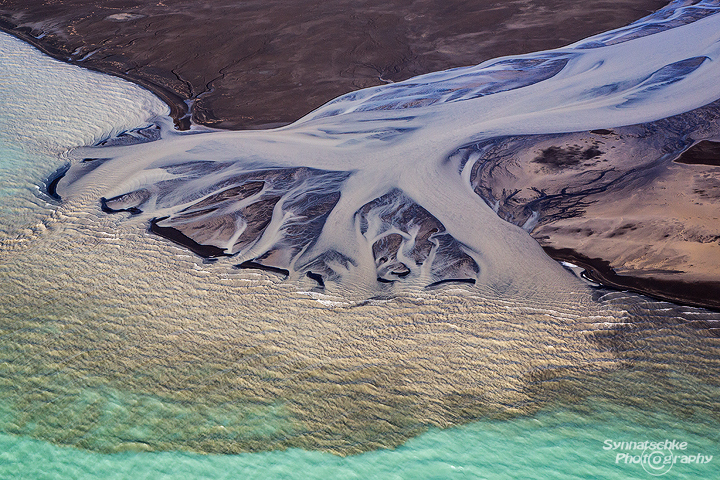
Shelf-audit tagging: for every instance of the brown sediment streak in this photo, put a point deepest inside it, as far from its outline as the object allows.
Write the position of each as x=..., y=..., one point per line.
x=259, y=266
x=206, y=251
x=699, y=294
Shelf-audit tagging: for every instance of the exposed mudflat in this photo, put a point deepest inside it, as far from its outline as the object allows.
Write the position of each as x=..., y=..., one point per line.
x=636, y=205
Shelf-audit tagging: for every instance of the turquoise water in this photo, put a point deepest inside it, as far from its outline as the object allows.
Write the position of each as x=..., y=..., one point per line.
x=562, y=444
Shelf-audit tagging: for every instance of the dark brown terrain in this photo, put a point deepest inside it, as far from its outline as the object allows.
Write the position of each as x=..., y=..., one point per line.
x=261, y=63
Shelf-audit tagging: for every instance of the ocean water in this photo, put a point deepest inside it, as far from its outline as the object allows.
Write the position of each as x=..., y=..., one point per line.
x=125, y=355
x=562, y=444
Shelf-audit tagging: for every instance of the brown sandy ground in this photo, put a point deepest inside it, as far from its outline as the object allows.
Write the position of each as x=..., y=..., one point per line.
x=632, y=205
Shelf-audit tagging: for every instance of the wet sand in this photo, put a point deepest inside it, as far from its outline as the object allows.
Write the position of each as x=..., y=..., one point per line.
x=704, y=153
x=701, y=294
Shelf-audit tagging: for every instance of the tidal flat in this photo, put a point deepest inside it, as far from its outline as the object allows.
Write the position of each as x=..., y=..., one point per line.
x=360, y=292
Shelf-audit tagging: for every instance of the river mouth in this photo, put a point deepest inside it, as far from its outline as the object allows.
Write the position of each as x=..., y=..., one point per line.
x=116, y=338
x=265, y=64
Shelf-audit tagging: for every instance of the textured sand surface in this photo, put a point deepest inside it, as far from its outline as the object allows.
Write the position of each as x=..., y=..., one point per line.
x=115, y=339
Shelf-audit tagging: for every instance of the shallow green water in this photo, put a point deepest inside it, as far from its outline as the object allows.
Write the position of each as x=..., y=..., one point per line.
x=559, y=444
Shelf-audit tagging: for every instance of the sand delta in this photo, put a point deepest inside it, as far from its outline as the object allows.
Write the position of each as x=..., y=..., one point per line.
x=144, y=315
x=266, y=65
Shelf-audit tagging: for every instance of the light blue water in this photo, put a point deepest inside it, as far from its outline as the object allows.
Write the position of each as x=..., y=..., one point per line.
x=560, y=444
x=44, y=115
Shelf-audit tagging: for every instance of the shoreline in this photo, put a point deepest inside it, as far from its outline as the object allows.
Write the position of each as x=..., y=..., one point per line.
x=699, y=294
x=178, y=108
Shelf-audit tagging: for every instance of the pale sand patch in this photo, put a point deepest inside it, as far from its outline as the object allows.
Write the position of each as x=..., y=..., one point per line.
x=99, y=316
